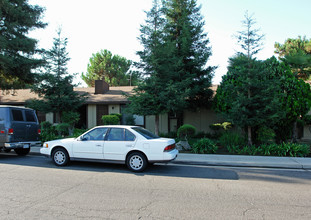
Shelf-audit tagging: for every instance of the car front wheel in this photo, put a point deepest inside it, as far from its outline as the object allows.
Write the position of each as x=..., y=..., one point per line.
x=136, y=162
x=60, y=157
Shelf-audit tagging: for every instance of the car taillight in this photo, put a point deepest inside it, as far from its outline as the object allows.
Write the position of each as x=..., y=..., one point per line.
x=169, y=147
x=10, y=131
x=39, y=131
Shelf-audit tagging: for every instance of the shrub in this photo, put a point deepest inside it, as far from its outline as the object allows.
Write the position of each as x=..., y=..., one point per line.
x=265, y=135
x=118, y=115
x=78, y=132
x=130, y=120
x=231, y=139
x=62, y=129
x=284, y=149
x=48, y=132
x=171, y=134
x=204, y=146
x=221, y=126
x=110, y=119
x=186, y=131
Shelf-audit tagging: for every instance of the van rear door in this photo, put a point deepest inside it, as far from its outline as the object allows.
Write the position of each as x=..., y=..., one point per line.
x=17, y=125
x=3, y=115
x=32, y=126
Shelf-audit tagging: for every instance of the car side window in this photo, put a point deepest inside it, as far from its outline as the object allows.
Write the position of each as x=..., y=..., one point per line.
x=129, y=136
x=17, y=115
x=97, y=134
x=116, y=134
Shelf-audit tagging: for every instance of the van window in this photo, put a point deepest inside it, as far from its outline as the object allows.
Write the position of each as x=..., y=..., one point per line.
x=17, y=115
x=2, y=113
x=30, y=116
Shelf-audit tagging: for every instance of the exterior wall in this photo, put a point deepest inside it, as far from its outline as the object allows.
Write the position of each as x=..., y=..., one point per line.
x=49, y=117
x=91, y=116
x=202, y=119
x=306, y=132
x=163, y=123
x=114, y=109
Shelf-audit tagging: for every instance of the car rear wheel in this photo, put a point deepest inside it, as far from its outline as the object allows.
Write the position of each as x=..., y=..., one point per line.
x=22, y=151
x=60, y=157
x=136, y=162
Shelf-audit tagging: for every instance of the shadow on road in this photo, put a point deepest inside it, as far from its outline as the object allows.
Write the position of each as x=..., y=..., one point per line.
x=169, y=170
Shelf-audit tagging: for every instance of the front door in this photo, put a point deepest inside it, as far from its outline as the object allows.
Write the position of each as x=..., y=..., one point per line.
x=90, y=145
x=118, y=142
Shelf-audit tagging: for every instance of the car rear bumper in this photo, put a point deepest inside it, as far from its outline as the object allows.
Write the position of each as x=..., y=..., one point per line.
x=167, y=157
x=26, y=144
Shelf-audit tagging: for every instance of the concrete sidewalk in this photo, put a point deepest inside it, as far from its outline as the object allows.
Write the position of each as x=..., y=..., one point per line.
x=235, y=160
x=244, y=161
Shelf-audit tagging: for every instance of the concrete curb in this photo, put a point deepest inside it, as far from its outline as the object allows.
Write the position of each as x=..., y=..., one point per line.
x=234, y=160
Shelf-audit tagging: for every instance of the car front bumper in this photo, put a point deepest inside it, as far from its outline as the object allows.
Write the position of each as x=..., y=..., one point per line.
x=45, y=151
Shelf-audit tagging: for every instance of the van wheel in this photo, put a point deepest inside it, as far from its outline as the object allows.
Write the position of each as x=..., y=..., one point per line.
x=21, y=151
x=60, y=157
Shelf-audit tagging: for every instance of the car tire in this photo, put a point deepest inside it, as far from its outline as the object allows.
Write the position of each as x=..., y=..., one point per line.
x=7, y=150
x=136, y=162
x=22, y=151
x=60, y=157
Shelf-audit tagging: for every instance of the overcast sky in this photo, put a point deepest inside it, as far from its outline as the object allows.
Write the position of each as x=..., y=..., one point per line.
x=93, y=25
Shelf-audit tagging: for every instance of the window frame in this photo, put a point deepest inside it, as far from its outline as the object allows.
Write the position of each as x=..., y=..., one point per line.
x=123, y=133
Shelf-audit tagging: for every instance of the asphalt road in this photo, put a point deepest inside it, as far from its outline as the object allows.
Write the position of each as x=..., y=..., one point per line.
x=32, y=187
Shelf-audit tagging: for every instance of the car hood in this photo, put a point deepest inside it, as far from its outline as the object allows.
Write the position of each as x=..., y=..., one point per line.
x=65, y=140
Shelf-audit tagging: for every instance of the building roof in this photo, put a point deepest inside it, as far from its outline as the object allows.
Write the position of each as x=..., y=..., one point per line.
x=115, y=95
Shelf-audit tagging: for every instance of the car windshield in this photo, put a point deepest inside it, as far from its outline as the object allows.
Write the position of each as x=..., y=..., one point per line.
x=145, y=133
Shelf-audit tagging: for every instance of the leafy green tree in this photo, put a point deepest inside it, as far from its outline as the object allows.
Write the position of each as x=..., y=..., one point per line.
x=249, y=97
x=17, y=50
x=113, y=68
x=297, y=54
x=295, y=100
x=247, y=93
x=55, y=87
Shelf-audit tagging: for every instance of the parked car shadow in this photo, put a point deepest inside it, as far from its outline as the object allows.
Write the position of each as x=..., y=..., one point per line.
x=169, y=170
x=158, y=169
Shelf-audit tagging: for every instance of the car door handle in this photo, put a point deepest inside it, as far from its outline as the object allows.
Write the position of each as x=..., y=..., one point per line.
x=98, y=145
x=129, y=145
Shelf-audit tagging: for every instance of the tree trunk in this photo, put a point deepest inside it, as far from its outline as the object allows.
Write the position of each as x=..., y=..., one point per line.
x=249, y=135
x=157, y=122
x=294, y=134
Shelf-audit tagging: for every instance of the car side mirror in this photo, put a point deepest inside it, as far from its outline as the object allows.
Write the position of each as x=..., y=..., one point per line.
x=82, y=138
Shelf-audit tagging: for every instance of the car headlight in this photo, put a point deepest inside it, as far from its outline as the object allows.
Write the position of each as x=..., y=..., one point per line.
x=45, y=145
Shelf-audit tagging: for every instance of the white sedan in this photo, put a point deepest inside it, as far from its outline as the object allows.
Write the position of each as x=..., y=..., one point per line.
x=130, y=145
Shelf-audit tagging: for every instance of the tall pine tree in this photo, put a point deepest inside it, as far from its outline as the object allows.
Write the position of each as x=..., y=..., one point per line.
x=55, y=86
x=185, y=28
x=17, y=50
x=173, y=61
x=157, y=94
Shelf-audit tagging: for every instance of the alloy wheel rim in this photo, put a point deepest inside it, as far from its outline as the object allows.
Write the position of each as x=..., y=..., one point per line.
x=136, y=162
x=59, y=157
